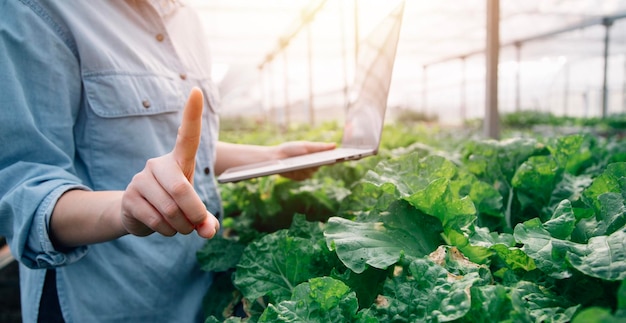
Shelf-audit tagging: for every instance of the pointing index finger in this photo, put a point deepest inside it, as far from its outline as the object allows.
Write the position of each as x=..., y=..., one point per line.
x=188, y=138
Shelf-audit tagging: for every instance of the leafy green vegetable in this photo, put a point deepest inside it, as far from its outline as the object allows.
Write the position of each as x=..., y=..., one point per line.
x=322, y=299
x=220, y=254
x=430, y=293
x=435, y=228
x=400, y=231
x=274, y=265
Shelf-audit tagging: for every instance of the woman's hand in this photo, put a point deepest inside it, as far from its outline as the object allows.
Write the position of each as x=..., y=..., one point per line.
x=161, y=198
x=297, y=148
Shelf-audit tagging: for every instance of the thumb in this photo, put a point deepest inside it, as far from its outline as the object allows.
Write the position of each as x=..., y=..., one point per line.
x=188, y=137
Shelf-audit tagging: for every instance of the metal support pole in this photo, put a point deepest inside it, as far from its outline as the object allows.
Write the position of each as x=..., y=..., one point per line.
x=491, y=126
x=463, y=89
x=605, y=91
x=425, y=89
x=271, y=87
x=344, y=57
x=518, y=76
x=624, y=87
x=286, y=89
x=565, y=89
x=309, y=39
x=356, y=30
x=262, y=99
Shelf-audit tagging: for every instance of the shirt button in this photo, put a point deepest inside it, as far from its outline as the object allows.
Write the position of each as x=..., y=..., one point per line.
x=207, y=171
x=183, y=76
x=160, y=37
x=145, y=103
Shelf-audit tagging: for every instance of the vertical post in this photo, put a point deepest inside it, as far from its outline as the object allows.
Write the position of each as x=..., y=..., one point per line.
x=425, y=89
x=356, y=30
x=262, y=99
x=463, y=89
x=344, y=52
x=310, y=59
x=271, y=87
x=605, y=91
x=518, y=75
x=286, y=89
x=491, y=126
x=565, y=89
x=624, y=87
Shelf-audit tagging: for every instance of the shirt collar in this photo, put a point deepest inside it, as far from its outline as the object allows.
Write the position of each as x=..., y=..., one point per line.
x=166, y=7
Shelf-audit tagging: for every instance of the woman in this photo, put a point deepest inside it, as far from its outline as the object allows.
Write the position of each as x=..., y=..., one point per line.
x=97, y=154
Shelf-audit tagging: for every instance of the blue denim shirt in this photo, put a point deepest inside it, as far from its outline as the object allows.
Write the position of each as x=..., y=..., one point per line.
x=89, y=90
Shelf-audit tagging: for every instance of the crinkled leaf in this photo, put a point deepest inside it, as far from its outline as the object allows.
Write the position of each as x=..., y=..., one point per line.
x=275, y=264
x=490, y=303
x=439, y=201
x=402, y=230
x=411, y=173
x=302, y=228
x=485, y=238
x=367, y=196
x=611, y=180
x=431, y=294
x=456, y=263
x=495, y=161
x=220, y=254
x=612, y=212
x=563, y=221
x=366, y=285
x=602, y=257
x=570, y=187
x=514, y=257
x=534, y=303
x=571, y=152
x=477, y=254
x=534, y=180
x=485, y=197
x=547, y=252
x=610, y=218
x=321, y=299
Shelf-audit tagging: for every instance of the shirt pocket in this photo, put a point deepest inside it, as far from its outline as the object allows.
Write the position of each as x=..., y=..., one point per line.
x=127, y=120
x=120, y=95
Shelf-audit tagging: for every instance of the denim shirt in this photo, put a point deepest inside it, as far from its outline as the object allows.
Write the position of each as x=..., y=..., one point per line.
x=89, y=90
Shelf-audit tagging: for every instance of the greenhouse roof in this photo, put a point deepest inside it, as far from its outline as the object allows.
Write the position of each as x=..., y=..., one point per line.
x=242, y=31
x=248, y=34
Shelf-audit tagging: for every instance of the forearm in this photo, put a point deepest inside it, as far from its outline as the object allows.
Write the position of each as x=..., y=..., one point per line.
x=232, y=155
x=85, y=217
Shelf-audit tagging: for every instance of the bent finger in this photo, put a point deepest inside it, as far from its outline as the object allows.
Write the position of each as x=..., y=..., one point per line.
x=209, y=227
x=184, y=197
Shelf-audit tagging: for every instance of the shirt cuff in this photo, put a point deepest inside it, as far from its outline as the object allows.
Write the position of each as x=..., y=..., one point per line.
x=45, y=255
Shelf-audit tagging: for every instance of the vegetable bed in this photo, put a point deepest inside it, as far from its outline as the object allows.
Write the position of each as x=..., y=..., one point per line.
x=524, y=229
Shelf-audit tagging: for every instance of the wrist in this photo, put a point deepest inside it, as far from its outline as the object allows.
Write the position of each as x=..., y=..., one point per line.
x=85, y=217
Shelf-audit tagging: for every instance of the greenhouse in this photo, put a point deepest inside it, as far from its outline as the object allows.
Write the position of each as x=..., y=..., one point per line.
x=562, y=57
x=486, y=180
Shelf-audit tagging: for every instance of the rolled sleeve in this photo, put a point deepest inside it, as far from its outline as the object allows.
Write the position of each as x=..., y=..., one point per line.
x=40, y=251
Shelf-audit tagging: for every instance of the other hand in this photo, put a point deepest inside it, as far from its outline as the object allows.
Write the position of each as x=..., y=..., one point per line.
x=297, y=148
